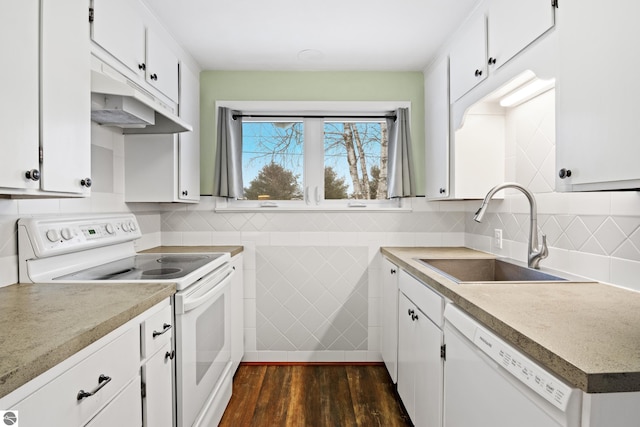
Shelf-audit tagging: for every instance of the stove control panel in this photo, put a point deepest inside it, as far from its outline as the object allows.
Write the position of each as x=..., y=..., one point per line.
x=46, y=237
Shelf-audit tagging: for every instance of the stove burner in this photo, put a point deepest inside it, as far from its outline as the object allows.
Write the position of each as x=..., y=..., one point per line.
x=161, y=271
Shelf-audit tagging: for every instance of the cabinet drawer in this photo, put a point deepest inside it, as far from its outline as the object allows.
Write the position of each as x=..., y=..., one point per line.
x=427, y=300
x=124, y=411
x=156, y=331
x=57, y=404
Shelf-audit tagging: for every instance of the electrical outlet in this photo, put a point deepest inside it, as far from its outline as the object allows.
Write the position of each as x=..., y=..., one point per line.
x=497, y=238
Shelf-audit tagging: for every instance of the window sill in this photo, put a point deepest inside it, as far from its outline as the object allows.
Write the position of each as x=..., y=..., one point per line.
x=223, y=205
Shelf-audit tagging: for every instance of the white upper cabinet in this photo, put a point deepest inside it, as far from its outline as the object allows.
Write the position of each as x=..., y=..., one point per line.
x=436, y=89
x=65, y=100
x=492, y=36
x=597, y=91
x=189, y=142
x=119, y=27
x=166, y=168
x=513, y=25
x=468, y=57
x=19, y=120
x=162, y=65
x=45, y=114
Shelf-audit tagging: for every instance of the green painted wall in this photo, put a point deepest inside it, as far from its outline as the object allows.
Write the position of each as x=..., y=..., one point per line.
x=307, y=86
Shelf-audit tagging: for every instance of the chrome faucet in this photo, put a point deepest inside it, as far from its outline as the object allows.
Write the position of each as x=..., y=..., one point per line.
x=535, y=253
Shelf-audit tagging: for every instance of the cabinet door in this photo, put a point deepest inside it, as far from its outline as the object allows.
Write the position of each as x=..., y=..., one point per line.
x=158, y=401
x=596, y=96
x=407, y=354
x=513, y=25
x=65, y=99
x=189, y=142
x=389, y=317
x=420, y=367
x=436, y=93
x=118, y=28
x=162, y=65
x=468, y=57
x=19, y=121
x=237, y=313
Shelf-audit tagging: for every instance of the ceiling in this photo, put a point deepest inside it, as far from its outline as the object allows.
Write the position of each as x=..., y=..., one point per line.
x=392, y=35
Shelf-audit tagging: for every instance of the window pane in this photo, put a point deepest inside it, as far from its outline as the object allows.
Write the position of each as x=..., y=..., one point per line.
x=272, y=160
x=355, y=160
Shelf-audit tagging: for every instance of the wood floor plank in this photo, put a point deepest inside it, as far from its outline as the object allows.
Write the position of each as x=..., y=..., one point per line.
x=375, y=402
x=312, y=395
x=247, y=384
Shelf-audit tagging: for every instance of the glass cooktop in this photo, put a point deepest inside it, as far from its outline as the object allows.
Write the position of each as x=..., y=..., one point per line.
x=145, y=267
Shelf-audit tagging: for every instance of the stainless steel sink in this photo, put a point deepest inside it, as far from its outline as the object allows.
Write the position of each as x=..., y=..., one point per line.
x=487, y=270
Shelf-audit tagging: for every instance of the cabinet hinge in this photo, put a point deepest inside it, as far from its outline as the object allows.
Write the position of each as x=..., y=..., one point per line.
x=554, y=3
x=443, y=351
x=91, y=14
x=143, y=389
x=40, y=155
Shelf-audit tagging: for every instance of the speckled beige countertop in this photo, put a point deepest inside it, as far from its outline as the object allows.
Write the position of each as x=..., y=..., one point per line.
x=586, y=332
x=44, y=324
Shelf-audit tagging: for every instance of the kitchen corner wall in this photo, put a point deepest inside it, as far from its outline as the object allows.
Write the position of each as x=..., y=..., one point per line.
x=593, y=235
x=107, y=196
x=313, y=279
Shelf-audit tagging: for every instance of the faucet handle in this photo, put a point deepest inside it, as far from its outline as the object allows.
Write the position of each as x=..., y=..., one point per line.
x=544, y=251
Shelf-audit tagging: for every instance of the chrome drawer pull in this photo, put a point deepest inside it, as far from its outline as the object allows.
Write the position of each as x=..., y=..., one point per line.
x=165, y=328
x=103, y=380
x=169, y=355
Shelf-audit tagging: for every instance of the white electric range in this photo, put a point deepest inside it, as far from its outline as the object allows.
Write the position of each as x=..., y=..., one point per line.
x=95, y=249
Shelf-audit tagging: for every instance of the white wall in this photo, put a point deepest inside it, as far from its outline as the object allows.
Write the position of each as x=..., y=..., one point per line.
x=594, y=235
x=280, y=305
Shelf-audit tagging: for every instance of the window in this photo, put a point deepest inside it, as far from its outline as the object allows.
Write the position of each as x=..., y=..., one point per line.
x=321, y=160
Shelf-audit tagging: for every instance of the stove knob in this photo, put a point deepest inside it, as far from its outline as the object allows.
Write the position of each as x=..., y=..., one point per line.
x=110, y=229
x=132, y=226
x=53, y=235
x=68, y=233
x=125, y=227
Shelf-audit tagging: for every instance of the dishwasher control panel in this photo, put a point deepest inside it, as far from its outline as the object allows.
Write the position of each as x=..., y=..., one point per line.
x=520, y=366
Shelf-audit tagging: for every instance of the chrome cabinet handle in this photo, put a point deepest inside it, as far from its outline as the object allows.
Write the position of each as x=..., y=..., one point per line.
x=103, y=380
x=410, y=312
x=86, y=182
x=393, y=271
x=414, y=317
x=165, y=328
x=169, y=355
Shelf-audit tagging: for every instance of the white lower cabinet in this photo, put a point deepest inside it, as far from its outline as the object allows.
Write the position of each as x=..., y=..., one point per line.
x=420, y=340
x=157, y=402
x=389, y=317
x=101, y=385
x=237, y=313
x=66, y=400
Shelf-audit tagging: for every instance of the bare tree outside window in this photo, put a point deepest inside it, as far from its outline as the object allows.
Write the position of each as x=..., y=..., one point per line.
x=354, y=164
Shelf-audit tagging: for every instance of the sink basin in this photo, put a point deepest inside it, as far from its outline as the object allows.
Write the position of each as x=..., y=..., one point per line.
x=487, y=270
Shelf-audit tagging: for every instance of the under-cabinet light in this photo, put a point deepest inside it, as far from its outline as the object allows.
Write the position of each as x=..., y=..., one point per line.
x=526, y=92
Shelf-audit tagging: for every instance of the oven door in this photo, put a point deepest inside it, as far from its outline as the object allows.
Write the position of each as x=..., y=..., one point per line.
x=203, y=345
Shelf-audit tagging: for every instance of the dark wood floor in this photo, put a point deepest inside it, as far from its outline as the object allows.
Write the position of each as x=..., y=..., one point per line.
x=311, y=395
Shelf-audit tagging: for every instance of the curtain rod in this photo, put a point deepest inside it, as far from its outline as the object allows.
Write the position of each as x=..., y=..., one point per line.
x=313, y=116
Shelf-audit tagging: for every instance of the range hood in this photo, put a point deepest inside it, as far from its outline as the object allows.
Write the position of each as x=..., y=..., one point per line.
x=117, y=102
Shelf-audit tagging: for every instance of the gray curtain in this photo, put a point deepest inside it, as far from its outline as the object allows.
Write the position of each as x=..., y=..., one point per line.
x=227, y=176
x=401, y=176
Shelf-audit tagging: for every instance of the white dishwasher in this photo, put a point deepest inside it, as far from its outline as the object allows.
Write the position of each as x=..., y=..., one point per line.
x=488, y=383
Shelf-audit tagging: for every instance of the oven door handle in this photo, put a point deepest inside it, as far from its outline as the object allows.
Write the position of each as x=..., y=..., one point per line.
x=190, y=304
